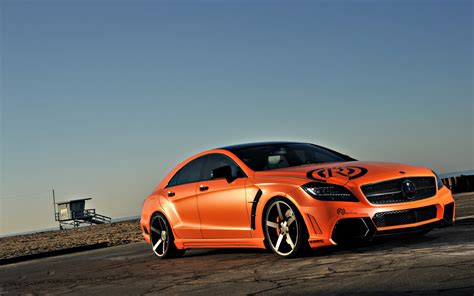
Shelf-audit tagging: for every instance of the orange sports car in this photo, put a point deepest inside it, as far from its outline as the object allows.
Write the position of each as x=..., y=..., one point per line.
x=289, y=197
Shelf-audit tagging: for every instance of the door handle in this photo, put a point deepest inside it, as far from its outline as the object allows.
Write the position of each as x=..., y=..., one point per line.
x=170, y=193
x=203, y=187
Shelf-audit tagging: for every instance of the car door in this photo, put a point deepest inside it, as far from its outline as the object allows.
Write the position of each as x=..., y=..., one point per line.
x=222, y=205
x=181, y=191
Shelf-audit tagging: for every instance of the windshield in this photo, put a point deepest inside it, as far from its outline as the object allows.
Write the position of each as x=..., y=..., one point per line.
x=277, y=156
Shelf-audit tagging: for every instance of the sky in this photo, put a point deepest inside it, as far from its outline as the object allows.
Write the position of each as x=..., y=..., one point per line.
x=102, y=98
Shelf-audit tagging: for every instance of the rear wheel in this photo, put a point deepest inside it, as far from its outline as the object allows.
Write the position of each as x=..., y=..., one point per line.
x=162, y=240
x=284, y=229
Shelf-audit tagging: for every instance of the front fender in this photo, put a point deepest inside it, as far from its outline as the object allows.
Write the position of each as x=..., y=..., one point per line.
x=268, y=192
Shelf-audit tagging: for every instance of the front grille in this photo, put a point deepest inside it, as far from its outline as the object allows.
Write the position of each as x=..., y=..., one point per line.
x=401, y=217
x=388, y=192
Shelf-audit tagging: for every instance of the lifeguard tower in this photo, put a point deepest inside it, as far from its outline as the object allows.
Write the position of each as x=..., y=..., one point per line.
x=74, y=213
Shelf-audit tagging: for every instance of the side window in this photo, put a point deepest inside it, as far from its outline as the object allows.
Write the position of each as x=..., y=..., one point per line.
x=190, y=173
x=173, y=180
x=215, y=161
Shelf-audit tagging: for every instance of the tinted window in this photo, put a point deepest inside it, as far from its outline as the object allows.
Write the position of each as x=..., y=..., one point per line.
x=268, y=157
x=189, y=173
x=173, y=180
x=215, y=161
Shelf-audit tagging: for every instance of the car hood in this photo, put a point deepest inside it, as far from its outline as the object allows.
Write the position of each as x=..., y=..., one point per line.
x=358, y=172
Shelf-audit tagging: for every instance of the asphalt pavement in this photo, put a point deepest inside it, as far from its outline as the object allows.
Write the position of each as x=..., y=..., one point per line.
x=441, y=262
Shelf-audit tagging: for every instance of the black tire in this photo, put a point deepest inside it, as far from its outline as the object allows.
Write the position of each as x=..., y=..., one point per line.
x=162, y=239
x=284, y=228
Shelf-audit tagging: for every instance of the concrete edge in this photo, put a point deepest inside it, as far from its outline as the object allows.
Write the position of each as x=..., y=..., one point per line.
x=462, y=194
x=11, y=260
x=469, y=220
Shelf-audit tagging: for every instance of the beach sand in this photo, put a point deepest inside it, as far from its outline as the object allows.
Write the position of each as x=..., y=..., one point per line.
x=113, y=234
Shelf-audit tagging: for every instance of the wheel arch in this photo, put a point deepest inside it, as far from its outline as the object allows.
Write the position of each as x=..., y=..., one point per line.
x=169, y=219
x=156, y=212
x=288, y=199
x=267, y=201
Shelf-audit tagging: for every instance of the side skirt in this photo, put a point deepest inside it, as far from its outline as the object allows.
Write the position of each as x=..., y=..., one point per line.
x=220, y=243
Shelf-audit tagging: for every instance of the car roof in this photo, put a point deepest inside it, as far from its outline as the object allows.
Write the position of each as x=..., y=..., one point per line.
x=257, y=144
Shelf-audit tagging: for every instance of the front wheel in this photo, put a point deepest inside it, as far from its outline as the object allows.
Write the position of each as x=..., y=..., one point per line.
x=284, y=229
x=162, y=240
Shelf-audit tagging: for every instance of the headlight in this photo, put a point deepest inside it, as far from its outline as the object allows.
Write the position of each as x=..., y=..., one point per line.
x=439, y=182
x=328, y=192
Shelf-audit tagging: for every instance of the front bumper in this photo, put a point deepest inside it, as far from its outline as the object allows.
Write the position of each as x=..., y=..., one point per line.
x=353, y=229
x=343, y=222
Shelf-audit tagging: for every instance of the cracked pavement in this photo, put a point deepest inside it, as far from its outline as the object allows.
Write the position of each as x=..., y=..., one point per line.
x=441, y=262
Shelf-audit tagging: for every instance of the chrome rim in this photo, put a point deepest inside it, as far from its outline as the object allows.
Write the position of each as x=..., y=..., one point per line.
x=281, y=228
x=159, y=236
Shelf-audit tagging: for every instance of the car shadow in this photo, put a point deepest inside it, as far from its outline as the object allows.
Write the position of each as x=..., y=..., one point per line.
x=209, y=252
x=434, y=238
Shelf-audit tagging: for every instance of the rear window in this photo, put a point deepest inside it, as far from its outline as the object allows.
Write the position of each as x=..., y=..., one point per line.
x=189, y=173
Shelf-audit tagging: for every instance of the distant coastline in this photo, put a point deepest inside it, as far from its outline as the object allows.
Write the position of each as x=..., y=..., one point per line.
x=121, y=219
x=456, y=174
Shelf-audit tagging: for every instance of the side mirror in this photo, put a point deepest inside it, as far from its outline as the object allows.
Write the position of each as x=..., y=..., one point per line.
x=224, y=172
